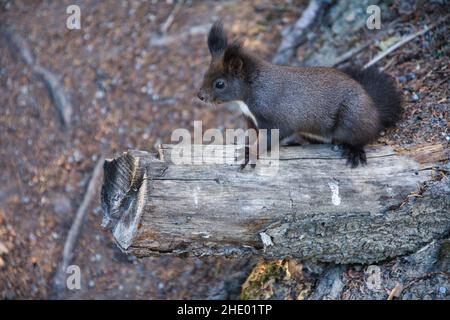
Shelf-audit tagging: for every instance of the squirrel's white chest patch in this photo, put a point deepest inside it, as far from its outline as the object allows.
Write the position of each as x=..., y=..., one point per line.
x=246, y=111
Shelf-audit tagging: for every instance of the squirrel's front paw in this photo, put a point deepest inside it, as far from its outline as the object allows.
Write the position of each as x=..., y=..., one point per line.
x=250, y=157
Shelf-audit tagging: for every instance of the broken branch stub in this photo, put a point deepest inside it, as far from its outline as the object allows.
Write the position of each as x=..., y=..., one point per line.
x=312, y=207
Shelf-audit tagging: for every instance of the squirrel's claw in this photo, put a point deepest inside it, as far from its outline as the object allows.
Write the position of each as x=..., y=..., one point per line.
x=253, y=166
x=248, y=152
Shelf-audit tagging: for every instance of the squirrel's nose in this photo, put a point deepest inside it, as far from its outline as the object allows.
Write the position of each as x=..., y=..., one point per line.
x=201, y=96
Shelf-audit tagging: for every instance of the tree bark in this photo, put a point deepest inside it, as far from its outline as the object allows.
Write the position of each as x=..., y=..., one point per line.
x=313, y=207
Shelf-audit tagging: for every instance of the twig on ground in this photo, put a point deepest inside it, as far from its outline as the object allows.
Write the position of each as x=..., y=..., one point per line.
x=160, y=41
x=402, y=42
x=166, y=25
x=74, y=231
x=350, y=53
x=295, y=36
x=57, y=94
x=354, y=51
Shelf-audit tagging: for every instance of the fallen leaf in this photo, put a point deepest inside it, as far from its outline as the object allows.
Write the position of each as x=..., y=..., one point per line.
x=3, y=249
x=396, y=291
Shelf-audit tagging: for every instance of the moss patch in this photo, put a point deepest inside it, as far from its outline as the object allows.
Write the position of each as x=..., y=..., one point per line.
x=279, y=279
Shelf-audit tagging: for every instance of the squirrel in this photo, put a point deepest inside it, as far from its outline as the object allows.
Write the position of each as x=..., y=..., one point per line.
x=348, y=107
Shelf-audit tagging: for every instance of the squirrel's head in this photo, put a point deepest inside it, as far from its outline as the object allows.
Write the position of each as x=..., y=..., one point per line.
x=225, y=79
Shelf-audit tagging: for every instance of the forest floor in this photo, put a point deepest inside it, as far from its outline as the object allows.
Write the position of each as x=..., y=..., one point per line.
x=130, y=88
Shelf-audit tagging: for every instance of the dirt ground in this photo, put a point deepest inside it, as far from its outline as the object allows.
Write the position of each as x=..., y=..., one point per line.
x=129, y=92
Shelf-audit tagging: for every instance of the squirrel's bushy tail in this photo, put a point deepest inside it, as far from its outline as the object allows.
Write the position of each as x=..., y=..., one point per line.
x=383, y=91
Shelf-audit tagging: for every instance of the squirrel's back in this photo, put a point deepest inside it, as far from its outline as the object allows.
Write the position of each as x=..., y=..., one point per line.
x=313, y=99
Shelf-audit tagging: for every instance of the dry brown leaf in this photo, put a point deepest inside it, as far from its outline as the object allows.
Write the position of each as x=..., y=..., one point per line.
x=3, y=249
x=396, y=291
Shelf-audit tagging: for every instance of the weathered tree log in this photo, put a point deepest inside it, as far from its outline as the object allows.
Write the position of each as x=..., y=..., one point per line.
x=314, y=207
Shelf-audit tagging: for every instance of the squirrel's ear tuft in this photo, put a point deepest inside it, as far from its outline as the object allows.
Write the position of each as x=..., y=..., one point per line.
x=217, y=39
x=233, y=58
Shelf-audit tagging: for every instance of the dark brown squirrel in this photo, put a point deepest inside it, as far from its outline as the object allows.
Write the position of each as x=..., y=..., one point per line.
x=348, y=107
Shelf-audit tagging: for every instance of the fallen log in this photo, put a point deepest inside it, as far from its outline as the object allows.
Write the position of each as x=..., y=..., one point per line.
x=314, y=207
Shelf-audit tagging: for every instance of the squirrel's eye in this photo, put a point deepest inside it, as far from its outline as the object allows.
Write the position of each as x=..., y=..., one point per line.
x=220, y=84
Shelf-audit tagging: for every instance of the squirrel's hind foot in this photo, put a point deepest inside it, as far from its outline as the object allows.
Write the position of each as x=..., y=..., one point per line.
x=355, y=155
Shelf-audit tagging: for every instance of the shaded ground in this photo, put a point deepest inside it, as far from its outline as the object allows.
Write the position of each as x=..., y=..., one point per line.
x=128, y=92
x=126, y=95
